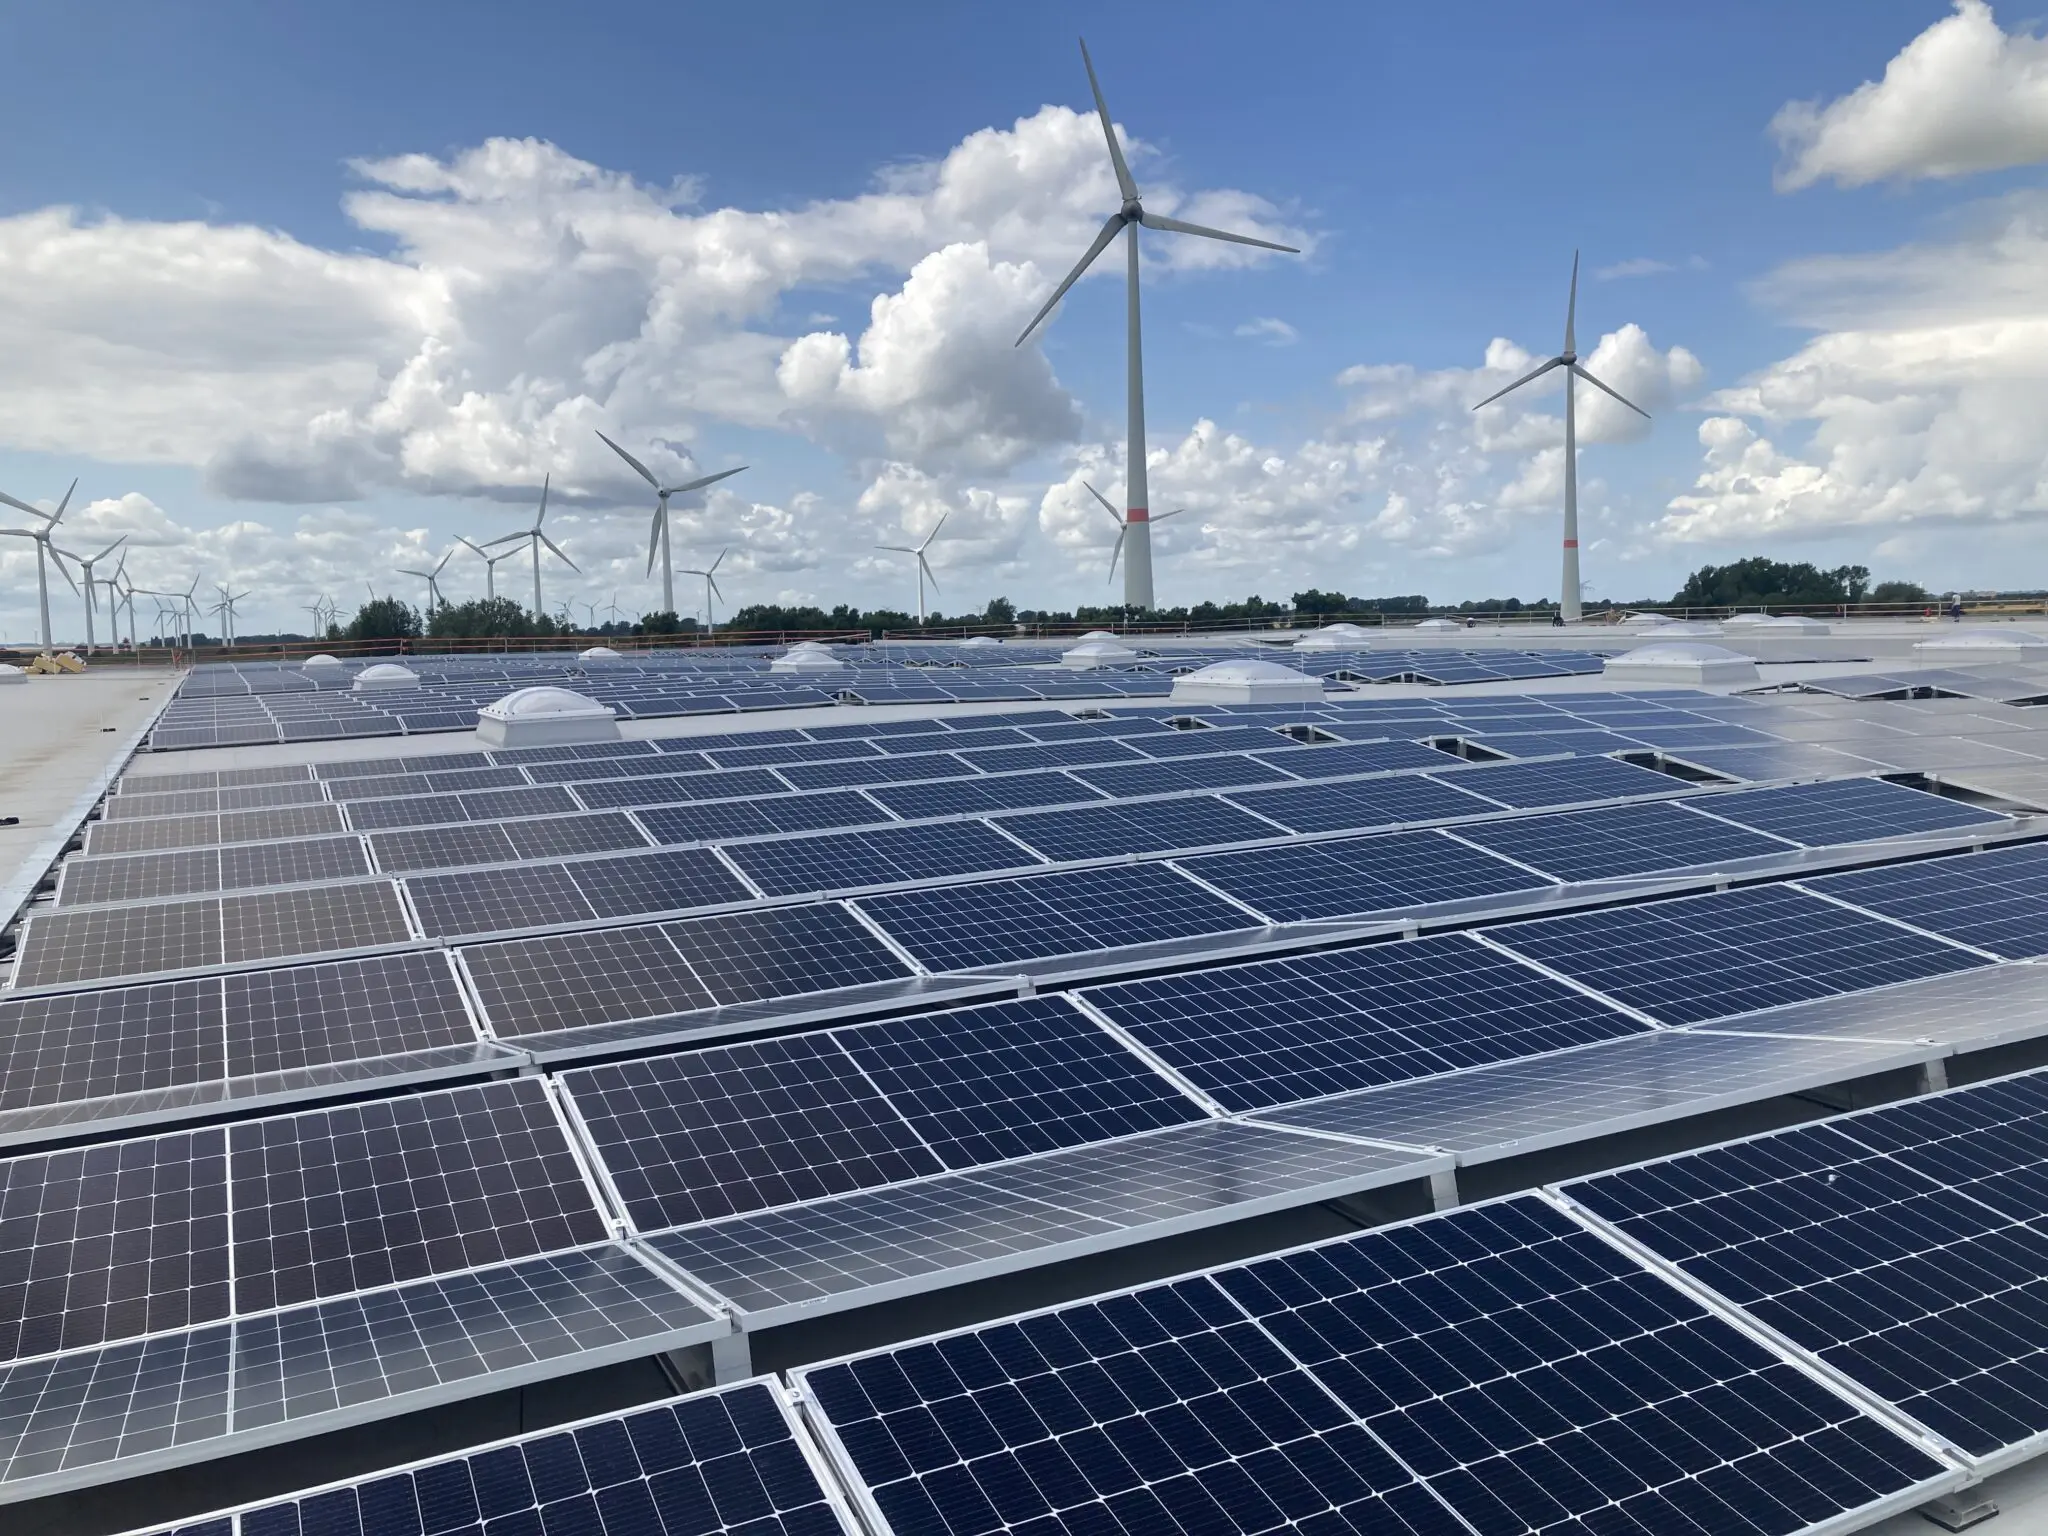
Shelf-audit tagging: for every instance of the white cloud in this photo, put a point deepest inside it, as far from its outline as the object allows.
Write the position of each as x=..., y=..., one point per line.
x=1648, y=266
x=1274, y=333
x=1962, y=97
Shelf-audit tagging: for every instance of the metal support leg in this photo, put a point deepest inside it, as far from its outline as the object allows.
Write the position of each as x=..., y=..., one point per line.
x=1443, y=1189
x=1960, y=1510
x=1934, y=1076
x=732, y=1358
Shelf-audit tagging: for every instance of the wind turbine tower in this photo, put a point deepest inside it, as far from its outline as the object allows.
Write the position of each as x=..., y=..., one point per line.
x=535, y=538
x=1127, y=220
x=924, y=569
x=710, y=575
x=45, y=551
x=433, y=580
x=86, y=563
x=657, y=535
x=490, y=564
x=1123, y=527
x=1568, y=359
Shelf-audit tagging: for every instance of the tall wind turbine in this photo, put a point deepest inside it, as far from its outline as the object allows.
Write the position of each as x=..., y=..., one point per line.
x=121, y=590
x=1123, y=526
x=1138, y=519
x=44, y=551
x=657, y=535
x=319, y=611
x=433, y=580
x=226, y=609
x=924, y=569
x=490, y=564
x=1568, y=359
x=86, y=563
x=710, y=575
x=535, y=538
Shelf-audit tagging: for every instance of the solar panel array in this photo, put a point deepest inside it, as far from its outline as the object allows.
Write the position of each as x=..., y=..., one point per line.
x=853, y=901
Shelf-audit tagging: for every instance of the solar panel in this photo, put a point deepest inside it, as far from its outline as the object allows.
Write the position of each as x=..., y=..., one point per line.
x=442, y=847
x=138, y=877
x=1207, y=741
x=1055, y=754
x=982, y=1085
x=888, y=856
x=763, y=818
x=112, y=1241
x=1225, y=772
x=966, y=927
x=741, y=1128
x=1900, y=1246
x=725, y=1460
x=560, y=836
x=118, y=941
x=1528, y=1376
x=967, y=797
x=274, y=924
x=1088, y=730
x=681, y=787
x=82, y=1045
x=880, y=770
x=346, y=1010
x=570, y=980
x=1996, y=900
x=1847, y=811
x=1787, y=760
x=783, y=952
x=1155, y=826
x=792, y=752
x=961, y=738
x=367, y=1195
x=1305, y=882
x=306, y=862
x=657, y=882
x=1362, y=804
x=1533, y=786
x=1252, y=1036
x=1357, y=757
x=1620, y=840
x=1551, y=743
x=1704, y=957
x=498, y=900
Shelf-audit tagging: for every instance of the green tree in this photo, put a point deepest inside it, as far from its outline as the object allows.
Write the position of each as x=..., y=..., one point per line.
x=481, y=617
x=1900, y=592
x=1758, y=580
x=384, y=618
x=1000, y=610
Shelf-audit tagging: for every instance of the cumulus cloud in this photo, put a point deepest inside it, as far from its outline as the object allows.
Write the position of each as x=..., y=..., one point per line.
x=1274, y=333
x=1962, y=97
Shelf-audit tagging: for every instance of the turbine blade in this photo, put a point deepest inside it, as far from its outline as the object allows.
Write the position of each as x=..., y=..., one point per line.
x=551, y=544
x=22, y=506
x=543, y=512
x=59, y=513
x=1112, y=511
x=1616, y=393
x=1163, y=516
x=473, y=548
x=1124, y=184
x=1533, y=373
x=926, y=566
x=654, y=537
x=641, y=469
x=701, y=481
x=1571, y=309
x=1182, y=227
x=897, y=549
x=720, y=560
x=1109, y=233
x=927, y=544
x=711, y=581
x=57, y=559
x=510, y=538
x=1117, y=549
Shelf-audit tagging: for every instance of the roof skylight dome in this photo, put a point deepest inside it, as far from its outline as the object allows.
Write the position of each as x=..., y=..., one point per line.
x=386, y=675
x=1680, y=661
x=600, y=653
x=1793, y=624
x=321, y=663
x=1097, y=653
x=1098, y=634
x=1247, y=682
x=545, y=717
x=1438, y=626
x=807, y=659
x=1982, y=642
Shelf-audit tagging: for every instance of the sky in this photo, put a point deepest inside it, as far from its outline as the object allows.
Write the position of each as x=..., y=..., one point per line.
x=300, y=296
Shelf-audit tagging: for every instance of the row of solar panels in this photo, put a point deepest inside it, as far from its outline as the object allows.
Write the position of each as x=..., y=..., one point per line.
x=1276, y=877
x=178, y=1048
x=1803, y=1331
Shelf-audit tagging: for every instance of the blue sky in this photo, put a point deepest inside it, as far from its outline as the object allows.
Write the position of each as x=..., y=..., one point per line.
x=214, y=291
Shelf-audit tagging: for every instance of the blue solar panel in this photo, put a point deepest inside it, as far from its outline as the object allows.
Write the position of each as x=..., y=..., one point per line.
x=1847, y=811
x=845, y=861
x=1904, y=1247
x=1052, y=754
x=760, y=818
x=1619, y=840
x=1997, y=900
x=1040, y=917
x=792, y=752
x=1355, y=876
x=1705, y=957
x=964, y=797
x=1532, y=786
x=981, y=1085
x=959, y=739
x=1363, y=804
x=1226, y=772
x=656, y=882
x=1528, y=1376
x=880, y=770
x=1551, y=743
x=1207, y=741
x=680, y=787
x=1148, y=826
x=1089, y=730
x=1337, y=761
x=726, y=1460
x=1275, y=1031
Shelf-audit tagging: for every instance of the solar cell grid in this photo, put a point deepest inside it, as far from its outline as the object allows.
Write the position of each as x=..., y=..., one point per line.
x=741, y=1128
x=1060, y=754
x=569, y=980
x=1705, y=957
x=1146, y=827
x=442, y=847
x=112, y=1241
x=1535, y=786
x=119, y=941
x=1228, y=771
x=890, y=856
x=1997, y=900
x=347, y=1010
x=681, y=788
x=1252, y=1036
x=1307, y=882
x=782, y=952
x=137, y=877
x=1621, y=840
x=1088, y=730
x=559, y=836
x=1336, y=760
x=759, y=818
x=498, y=900
x=82, y=1045
x=963, y=797
x=305, y=862
x=791, y=752
x=880, y=770
x=1846, y=811
x=960, y=739
x=373, y=1194
x=1362, y=804
x=312, y=921
x=1074, y=912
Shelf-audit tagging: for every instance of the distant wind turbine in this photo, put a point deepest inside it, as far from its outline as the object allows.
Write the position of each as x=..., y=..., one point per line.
x=657, y=535
x=226, y=609
x=534, y=538
x=924, y=569
x=710, y=575
x=85, y=564
x=1137, y=521
x=433, y=580
x=121, y=590
x=45, y=551
x=1568, y=359
x=1123, y=527
x=490, y=564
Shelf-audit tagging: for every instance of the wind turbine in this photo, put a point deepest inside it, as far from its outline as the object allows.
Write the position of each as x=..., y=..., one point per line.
x=924, y=569
x=226, y=609
x=1137, y=520
x=1123, y=527
x=490, y=564
x=657, y=535
x=121, y=590
x=1568, y=359
x=710, y=584
x=317, y=608
x=86, y=563
x=432, y=579
x=44, y=550
x=534, y=537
